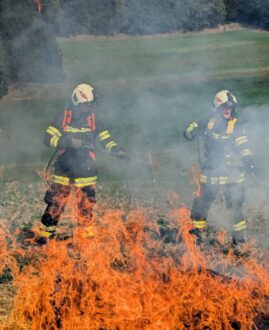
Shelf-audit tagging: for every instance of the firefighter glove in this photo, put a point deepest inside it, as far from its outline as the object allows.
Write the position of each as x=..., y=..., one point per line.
x=187, y=135
x=249, y=166
x=251, y=170
x=190, y=130
x=123, y=155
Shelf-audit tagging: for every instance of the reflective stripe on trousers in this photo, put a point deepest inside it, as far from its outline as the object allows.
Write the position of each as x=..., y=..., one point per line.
x=222, y=179
x=78, y=182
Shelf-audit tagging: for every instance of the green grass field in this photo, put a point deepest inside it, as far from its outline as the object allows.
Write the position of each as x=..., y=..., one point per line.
x=149, y=89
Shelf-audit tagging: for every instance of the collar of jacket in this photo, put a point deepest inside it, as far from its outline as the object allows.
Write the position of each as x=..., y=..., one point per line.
x=230, y=124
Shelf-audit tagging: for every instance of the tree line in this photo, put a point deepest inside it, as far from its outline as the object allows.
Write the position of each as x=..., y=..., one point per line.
x=28, y=28
x=137, y=17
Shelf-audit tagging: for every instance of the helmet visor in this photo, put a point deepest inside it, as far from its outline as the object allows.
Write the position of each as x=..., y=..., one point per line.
x=226, y=105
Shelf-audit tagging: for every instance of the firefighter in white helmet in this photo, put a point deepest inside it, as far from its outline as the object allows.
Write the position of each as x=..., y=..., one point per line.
x=74, y=133
x=226, y=158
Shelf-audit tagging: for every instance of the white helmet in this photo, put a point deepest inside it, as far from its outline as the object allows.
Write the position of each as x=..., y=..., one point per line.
x=83, y=93
x=223, y=99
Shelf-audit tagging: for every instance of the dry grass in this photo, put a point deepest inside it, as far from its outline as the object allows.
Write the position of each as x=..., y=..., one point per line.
x=7, y=293
x=22, y=209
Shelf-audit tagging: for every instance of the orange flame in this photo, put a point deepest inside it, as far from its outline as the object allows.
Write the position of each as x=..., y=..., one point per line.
x=126, y=277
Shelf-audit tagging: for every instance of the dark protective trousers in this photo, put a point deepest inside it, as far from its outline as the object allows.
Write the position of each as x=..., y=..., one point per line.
x=234, y=197
x=56, y=198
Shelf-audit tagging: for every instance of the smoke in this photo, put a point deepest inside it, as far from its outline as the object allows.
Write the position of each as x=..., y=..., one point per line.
x=256, y=205
x=151, y=130
x=150, y=89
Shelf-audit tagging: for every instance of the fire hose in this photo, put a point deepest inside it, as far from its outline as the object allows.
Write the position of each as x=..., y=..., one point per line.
x=139, y=160
x=90, y=148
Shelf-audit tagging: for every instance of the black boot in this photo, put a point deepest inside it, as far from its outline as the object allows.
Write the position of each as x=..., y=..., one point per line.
x=48, y=220
x=169, y=235
x=198, y=235
x=239, y=237
x=241, y=248
x=44, y=234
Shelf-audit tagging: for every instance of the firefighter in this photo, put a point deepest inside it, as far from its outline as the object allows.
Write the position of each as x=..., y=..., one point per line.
x=226, y=158
x=74, y=133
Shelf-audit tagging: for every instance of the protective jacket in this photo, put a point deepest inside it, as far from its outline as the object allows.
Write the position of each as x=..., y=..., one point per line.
x=77, y=165
x=225, y=156
x=224, y=148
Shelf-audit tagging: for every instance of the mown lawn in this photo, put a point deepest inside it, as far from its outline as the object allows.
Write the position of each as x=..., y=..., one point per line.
x=149, y=89
x=191, y=54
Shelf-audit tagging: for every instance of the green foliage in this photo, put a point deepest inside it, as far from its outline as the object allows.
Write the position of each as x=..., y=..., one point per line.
x=86, y=17
x=195, y=15
x=16, y=16
x=51, y=14
x=252, y=13
x=30, y=44
x=154, y=16
x=138, y=16
x=36, y=55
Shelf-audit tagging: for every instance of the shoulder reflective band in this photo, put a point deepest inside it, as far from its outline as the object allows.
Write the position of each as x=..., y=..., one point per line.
x=54, y=131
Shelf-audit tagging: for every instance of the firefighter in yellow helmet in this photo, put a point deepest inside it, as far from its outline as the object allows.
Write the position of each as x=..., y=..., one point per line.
x=226, y=159
x=74, y=133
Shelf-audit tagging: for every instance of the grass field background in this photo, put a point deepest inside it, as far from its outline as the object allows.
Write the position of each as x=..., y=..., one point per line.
x=149, y=89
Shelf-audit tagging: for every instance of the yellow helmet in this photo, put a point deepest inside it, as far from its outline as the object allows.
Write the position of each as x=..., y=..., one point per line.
x=83, y=93
x=223, y=99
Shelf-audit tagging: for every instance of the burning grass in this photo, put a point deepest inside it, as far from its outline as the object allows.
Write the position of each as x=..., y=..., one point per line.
x=138, y=271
